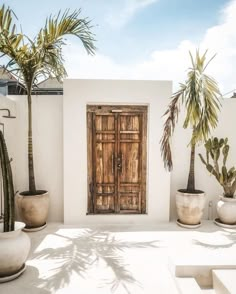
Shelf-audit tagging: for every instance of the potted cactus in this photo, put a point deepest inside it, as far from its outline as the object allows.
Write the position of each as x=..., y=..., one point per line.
x=217, y=151
x=14, y=243
x=199, y=95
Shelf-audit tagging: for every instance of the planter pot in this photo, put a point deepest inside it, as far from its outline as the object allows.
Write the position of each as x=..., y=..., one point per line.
x=190, y=207
x=226, y=210
x=33, y=209
x=14, y=250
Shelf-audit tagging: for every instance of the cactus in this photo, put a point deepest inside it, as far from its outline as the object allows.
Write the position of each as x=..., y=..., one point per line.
x=8, y=190
x=216, y=150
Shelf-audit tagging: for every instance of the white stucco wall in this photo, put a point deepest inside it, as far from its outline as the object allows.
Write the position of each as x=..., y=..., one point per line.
x=9, y=128
x=47, y=144
x=9, y=123
x=79, y=93
x=48, y=147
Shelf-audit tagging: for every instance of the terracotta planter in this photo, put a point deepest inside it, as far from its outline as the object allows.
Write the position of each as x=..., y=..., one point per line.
x=33, y=209
x=226, y=210
x=190, y=207
x=14, y=250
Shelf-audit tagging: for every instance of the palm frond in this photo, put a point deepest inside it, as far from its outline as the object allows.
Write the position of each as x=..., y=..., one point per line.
x=56, y=28
x=169, y=125
x=201, y=99
x=42, y=57
x=50, y=40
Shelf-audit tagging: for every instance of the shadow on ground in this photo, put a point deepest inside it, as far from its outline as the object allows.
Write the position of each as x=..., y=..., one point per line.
x=67, y=254
x=27, y=283
x=227, y=239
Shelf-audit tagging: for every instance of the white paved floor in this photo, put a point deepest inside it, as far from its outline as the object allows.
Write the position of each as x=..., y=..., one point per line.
x=115, y=259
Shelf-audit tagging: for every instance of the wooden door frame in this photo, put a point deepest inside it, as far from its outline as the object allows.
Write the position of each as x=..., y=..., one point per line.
x=92, y=110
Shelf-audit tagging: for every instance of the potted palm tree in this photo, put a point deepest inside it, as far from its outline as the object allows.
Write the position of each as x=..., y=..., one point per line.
x=14, y=244
x=30, y=60
x=199, y=96
x=217, y=151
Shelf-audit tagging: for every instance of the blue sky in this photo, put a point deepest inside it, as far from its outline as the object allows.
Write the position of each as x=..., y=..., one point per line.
x=143, y=38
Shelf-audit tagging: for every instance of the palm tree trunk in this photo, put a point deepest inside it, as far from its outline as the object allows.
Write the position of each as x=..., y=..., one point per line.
x=32, y=187
x=191, y=176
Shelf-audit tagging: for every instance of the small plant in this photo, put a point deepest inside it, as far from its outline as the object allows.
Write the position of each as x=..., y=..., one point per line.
x=218, y=150
x=8, y=190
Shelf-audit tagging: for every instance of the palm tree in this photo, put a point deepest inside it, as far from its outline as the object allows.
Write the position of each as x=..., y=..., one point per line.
x=32, y=59
x=200, y=97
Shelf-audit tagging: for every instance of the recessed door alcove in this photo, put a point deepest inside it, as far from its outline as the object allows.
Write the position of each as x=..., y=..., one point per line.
x=128, y=184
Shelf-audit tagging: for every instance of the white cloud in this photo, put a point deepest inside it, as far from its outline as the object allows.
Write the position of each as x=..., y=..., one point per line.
x=119, y=16
x=163, y=65
x=221, y=39
x=167, y=64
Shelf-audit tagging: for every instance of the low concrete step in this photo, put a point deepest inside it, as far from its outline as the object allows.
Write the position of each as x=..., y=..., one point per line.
x=190, y=285
x=187, y=286
x=224, y=281
x=199, y=269
x=208, y=291
x=202, y=273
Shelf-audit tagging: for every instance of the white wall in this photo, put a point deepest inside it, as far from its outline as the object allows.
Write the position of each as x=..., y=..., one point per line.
x=47, y=144
x=79, y=93
x=9, y=129
x=181, y=154
x=48, y=147
x=9, y=123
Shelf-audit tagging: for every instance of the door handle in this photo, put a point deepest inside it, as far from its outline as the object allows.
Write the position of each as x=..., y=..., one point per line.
x=119, y=162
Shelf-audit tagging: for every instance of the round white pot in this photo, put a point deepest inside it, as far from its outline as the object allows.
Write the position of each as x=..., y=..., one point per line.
x=14, y=250
x=190, y=207
x=33, y=209
x=226, y=210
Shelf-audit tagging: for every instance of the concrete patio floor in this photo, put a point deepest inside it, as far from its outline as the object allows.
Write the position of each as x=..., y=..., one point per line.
x=117, y=259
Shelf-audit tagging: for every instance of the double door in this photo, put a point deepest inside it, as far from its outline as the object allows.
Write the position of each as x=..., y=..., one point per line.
x=116, y=159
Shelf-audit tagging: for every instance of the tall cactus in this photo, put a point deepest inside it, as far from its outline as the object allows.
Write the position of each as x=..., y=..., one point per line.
x=227, y=178
x=8, y=190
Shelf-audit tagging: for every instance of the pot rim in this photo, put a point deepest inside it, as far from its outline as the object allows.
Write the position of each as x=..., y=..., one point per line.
x=18, y=227
x=227, y=199
x=187, y=194
x=45, y=193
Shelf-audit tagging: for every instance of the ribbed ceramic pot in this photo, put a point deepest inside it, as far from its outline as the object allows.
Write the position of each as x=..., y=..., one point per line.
x=14, y=250
x=33, y=209
x=226, y=210
x=190, y=207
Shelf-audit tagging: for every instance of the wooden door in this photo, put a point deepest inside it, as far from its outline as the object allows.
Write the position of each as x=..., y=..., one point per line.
x=116, y=159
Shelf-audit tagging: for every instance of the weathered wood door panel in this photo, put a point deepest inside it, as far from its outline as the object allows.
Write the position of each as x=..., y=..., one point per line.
x=104, y=152
x=116, y=159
